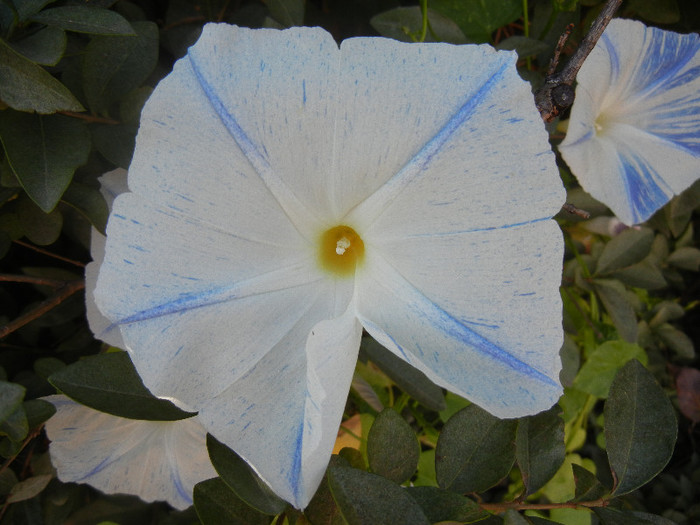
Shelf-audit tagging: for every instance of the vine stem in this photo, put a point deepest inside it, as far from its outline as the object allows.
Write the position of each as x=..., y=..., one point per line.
x=41, y=281
x=50, y=254
x=89, y=118
x=62, y=293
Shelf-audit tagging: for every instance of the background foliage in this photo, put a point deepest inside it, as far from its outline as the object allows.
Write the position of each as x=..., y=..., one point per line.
x=620, y=447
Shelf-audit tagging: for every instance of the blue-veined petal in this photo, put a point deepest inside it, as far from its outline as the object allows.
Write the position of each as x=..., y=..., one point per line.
x=458, y=160
x=155, y=460
x=634, y=135
x=283, y=415
x=479, y=313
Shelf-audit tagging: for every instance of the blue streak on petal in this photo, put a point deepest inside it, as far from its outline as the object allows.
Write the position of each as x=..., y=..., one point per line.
x=184, y=493
x=643, y=185
x=472, y=230
x=295, y=471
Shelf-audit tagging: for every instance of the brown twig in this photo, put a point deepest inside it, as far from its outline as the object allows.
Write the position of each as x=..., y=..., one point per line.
x=557, y=93
x=41, y=281
x=91, y=119
x=62, y=293
x=50, y=254
x=568, y=207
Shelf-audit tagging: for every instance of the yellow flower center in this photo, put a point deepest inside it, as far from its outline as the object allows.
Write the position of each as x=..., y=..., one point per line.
x=340, y=250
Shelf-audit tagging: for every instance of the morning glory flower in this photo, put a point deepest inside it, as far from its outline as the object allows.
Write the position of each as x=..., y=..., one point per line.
x=633, y=140
x=287, y=192
x=155, y=460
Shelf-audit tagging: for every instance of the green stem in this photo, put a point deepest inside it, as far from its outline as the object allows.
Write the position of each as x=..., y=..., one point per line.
x=424, y=14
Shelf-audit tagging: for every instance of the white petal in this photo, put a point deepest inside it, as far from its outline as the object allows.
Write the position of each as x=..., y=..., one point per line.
x=112, y=183
x=479, y=313
x=283, y=416
x=464, y=124
x=634, y=135
x=155, y=460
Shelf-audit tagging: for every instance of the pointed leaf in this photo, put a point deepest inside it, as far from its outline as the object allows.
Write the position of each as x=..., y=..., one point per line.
x=114, y=65
x=217, y=504
x=598, y=372
x=624, y=250
x=610, y=516
x=110, y=383
x=640, y=428
x=242, y=480
x=475, y=450
x=588, y=488
x=406, y=23
x=43, y=47
x=84, y=19
x=442, y=505
x=26, y=8
x=29, y=488
x=11, y=396
x=676, y=340
x=392, y=447
x=686, y=258
x=44, y=152
x=539, y=447
x=365, y=498
x=617, y=303
x=89, y=202
x=26, y=86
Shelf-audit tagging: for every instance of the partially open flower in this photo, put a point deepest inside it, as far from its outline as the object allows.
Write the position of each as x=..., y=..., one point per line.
x=287, y=192
x=155, y=460
x=633, y=137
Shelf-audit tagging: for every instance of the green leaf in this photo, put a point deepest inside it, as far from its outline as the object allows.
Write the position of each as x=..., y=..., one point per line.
x=365, y=498
x=610, y=516
x=599, y=370
x=15, y=426
x=442, y=505
x=406, y=23
x=522, y=45
x=477, y=18
x=89, y=202
x=114, y=65
x=39, y=227
x=26, y=8
x=588, y=488
x=216, y=504
x=11, y=396
x=685, y=258
x=242, y=480
x=109, y=383
x=676, y=340
x=44, y=152
x=539, y=447
x=626, y=249
x=657, y=11
x=26, y=86
x=84, y=19
x=475, y=450
x=115, y=142
x=392, y=447
x=617, y=302
x=287, y=12
x=38, y=411
x=43, y=47
x=640, y=428
x=409, y=379
x=646, y=274
x=29, y=488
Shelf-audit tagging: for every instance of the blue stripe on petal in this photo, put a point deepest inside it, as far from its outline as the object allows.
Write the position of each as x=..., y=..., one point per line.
x=644, y=186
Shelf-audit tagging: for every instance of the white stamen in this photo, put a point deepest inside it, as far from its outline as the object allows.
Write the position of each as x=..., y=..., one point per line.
x=342, y=245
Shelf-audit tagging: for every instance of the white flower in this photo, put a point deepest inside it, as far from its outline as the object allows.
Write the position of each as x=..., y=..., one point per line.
x=287, y=193
x=155, y=460
x=633, y=139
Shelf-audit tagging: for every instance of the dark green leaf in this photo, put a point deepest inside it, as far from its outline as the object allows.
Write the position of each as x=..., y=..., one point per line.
x=610, y=516
x=287, y=12
x=598, y=372
x=114, y=65
x=475, y=450
x=513, y=517
x=216, y=504
x=115, y=142
x=626, y=249
x=109, y=383
x=588, y=488
x=26, y=86
x=676, y=340
x=409, y=379
x=43, y=47
x=28, y=488
x=657, y=11
x=646, y=274
x=640, y=428
x=564, y=5
x=392, y=447
x=322, y=509
x=478, y=19
x=523, y=46
x=539, y=447
x=38, y=411
x=441, y=505
x=39, y=227
x=406, y=23
x=238, y=475
x=26, y=8
x=618, y=304
x=44, y=152
x=15, y=426
x=365, y=498
x=686, y=258
x=11, y=396
x=84, y=19
x=90, y=202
